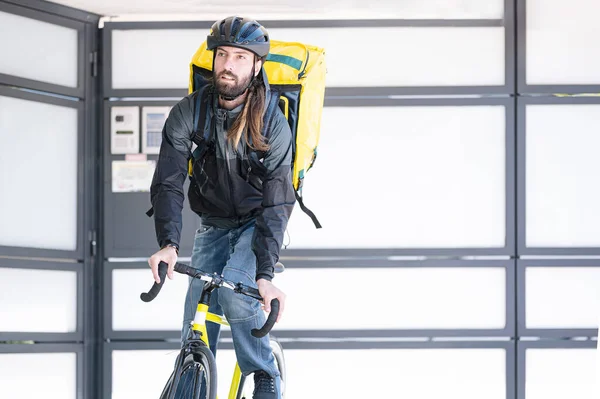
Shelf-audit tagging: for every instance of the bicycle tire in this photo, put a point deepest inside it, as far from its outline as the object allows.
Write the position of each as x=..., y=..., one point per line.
x=279, y=362
x=199, y=368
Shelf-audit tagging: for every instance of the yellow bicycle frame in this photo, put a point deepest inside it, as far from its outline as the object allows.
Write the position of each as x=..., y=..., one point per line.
x=199, y=325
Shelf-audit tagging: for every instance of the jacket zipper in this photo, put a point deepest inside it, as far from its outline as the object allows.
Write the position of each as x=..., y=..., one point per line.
x=249, y=164
x=229, y=182
x=231, y=191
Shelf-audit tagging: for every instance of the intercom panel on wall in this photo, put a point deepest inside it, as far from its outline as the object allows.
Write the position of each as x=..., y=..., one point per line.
x=153, y=121
x=125, y=130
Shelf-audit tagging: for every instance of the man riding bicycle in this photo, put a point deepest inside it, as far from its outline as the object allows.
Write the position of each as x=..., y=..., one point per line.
x=241, y=187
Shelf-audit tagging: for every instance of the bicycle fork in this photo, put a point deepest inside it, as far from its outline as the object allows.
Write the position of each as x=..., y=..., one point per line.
x=199, y=325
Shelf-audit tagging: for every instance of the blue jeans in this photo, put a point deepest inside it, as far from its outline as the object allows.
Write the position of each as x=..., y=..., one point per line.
x=228, y=252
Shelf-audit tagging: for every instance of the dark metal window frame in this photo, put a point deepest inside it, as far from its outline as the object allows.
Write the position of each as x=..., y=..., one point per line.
x=507, y=346
x=367, y=264
x=77, y=335
x=507, y=22
x=52, y=348
x=522, y=85
x=523, y=330
x=81, y=53
x=82, y=260
x=522, y=247
x=514, y=83
x=510, y=184
x=507, y=250
x=81, y=138
x=522, y=347
x=49, y=8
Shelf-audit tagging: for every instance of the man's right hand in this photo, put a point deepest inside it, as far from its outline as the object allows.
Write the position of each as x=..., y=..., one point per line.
x=167, y=255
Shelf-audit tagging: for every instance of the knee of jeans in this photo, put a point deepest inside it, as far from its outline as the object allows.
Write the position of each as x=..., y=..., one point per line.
x=237, y=307
x=239, y=274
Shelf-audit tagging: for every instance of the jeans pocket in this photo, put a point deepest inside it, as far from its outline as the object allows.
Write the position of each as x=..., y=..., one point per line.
x=203, y=230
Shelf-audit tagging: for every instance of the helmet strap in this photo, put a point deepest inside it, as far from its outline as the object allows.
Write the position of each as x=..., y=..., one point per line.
x=253, y=73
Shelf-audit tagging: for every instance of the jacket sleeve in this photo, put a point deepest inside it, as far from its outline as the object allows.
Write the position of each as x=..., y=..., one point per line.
x=166, y=191
x=278, y=199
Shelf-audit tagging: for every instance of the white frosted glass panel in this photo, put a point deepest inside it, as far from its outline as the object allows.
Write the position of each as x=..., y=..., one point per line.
x=562, y=42
x=165, y=312
x=141, y=373
x=562, y=297
x=331, y=370
x=408, y=56
x=561, y=167
x=426, y=373
x=421, y=298
x=560, y=373
x=277, y=10
x=144, y=373
x=38, y=50
x=397, y=373
x=434, y=175
x=431, y=9
x=424, y=56
x=53, y=373
x=25, y=303
x=226, y=364
x=169, y=65
x=44, y=168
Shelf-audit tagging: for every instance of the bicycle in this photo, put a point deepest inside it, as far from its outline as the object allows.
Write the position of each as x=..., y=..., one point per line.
x=195, y=372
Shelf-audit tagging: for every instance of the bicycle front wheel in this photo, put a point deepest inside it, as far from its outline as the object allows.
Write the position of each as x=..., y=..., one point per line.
x=197, y=377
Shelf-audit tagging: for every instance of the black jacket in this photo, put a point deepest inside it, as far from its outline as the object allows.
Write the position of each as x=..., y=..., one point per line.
x=227, y=188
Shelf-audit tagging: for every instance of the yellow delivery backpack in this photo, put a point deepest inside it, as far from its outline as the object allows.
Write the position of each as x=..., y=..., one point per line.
x=296, y=74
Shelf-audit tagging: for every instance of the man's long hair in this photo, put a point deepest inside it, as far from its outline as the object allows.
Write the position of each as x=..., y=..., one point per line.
x=249, y=122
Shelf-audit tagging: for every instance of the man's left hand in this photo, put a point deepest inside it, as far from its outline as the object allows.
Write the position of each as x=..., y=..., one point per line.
x=269, y=292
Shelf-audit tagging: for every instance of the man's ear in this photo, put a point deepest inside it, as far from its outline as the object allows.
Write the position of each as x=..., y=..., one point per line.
x=257, y=66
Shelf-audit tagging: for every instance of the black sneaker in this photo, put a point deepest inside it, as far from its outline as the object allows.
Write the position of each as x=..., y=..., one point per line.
x=265, y=386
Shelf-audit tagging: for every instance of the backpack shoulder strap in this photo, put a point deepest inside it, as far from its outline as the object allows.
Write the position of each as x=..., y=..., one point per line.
x=270, y=113
x=200, y=112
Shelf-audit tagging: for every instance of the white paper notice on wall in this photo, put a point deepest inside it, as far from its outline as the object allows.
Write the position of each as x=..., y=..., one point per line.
x=153, y=121
x=132, y=176
x=125, y=130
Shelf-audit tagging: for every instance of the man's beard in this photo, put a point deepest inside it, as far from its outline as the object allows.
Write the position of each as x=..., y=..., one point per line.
x=234, y=88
